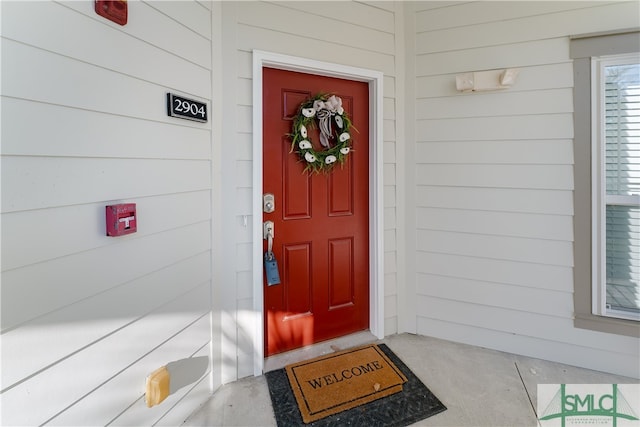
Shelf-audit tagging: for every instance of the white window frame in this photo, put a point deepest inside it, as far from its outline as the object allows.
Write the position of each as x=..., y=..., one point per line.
x=600, y=199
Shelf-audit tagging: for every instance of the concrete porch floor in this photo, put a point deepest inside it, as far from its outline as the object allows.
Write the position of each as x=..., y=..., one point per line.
x=479, y=387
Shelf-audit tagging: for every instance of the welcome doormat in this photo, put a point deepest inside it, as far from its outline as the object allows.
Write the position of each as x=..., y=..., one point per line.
x=339, y=381
x=410, y=400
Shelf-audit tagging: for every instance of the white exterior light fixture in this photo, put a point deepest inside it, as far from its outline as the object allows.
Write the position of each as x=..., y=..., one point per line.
x=486, y=80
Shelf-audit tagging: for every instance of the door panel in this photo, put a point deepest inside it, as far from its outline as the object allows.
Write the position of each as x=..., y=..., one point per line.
x=340, y=273
x=341, y=190
x=296, y=188
x=297, y=278
x=321, y=221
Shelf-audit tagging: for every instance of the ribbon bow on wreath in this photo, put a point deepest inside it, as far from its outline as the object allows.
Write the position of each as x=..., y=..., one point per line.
x=329, y=112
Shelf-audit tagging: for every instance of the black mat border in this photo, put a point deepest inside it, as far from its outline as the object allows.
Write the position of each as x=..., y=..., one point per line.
x=414, y=403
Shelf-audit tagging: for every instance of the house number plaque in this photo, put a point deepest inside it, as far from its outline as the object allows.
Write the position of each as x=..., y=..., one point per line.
x=184, y=108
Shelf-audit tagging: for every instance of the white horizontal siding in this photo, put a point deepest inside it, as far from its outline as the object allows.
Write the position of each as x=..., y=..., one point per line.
x=521, y=322
x=523, y=54
x=47, y=182
x=84, y=125
x=389, y=152
x=296, y=23
x=543, y=276
x=179, y=27
x=33, y=239
x=554, y=177
x=35, y=290
x=432, y=5
x=541, y=152
x=602, y=359
x=65, y=131
x=496, y=223
x=377, y=13
x=194, y=17
x=389, y=89
x=522, y=298
x=191, y=398
x=180, y=403
x=84, y=411
x=78, y=84
x=531, y=201
x=548, y=252
x=494, y=179
x=103, y=361
x=526, y=127
x=246, y=321
x=64, y=334
x=106, y=46
x=390, y=220
x=459, y=14
x=491, y=104
x=391, y=306
x=250, y=38
x=544, y=25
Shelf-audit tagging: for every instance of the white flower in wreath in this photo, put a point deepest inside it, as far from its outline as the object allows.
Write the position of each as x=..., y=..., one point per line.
x=303, y=131
x=309, y=157
x=345, y=150
x=334, y=104
x=330, y=159
x=308, y=112
x=304, y=145
x=344, y=136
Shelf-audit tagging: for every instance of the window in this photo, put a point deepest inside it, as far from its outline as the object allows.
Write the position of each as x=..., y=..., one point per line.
x=615, y=174
x=607, y=181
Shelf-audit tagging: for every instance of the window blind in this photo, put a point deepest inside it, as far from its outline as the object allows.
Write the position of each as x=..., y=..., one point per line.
x=622, y=168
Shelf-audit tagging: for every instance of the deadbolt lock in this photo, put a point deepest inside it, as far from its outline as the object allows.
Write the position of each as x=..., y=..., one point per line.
x=268, y=203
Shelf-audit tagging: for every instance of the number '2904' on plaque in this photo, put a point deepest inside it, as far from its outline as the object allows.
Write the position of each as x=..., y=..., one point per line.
x=184, y=108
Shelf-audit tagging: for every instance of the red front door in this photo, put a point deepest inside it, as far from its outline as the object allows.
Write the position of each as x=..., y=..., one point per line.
x=321, y=221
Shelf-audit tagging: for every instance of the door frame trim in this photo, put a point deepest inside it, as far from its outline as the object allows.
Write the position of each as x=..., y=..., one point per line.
x=376, y=206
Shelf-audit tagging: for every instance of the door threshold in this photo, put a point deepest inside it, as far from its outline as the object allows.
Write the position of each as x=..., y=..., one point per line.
x=278, y=361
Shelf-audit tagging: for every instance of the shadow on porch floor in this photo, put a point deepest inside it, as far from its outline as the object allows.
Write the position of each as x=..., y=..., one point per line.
x=480, y=387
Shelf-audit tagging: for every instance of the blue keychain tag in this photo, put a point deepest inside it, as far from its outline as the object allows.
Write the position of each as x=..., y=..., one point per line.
x=271, y=269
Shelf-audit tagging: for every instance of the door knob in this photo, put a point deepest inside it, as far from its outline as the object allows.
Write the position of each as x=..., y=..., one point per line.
x=268, y=234
x=267, y=230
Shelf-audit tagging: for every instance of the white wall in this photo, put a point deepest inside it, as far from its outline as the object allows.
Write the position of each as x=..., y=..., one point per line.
x=348, y=33
x=85, y=317
x=493, y=178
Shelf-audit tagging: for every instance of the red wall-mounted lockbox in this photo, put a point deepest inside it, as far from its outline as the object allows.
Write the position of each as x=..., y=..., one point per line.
x=113, y=10
x=121, y=219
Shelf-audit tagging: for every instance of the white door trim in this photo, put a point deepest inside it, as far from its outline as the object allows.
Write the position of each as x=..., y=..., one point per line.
x=376, y=207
